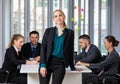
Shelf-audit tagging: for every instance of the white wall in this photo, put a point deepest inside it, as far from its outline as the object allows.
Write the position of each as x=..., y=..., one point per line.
x=4, y=27
x=116, y=20
x=1, y=33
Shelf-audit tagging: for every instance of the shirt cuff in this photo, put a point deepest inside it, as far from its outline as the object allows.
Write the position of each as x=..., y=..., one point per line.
x=43, y=65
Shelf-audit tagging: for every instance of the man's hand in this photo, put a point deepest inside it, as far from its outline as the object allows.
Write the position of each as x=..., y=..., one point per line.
x=79, y=63
x=37, y=59
x=82, y=63
x=79, y=69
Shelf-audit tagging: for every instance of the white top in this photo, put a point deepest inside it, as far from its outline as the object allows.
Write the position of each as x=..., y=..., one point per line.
x=34, y=69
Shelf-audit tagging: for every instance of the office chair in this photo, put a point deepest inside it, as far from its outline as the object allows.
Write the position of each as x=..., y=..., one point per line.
x=3, y=76
x=74, y=57
x=101, y=78
x=111, y=78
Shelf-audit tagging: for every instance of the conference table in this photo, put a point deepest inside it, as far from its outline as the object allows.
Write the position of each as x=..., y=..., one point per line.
x=71, y=77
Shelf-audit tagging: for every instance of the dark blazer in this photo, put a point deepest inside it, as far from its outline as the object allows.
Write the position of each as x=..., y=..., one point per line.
x=110, y=64
x=26, y=51
x=92, y=56
x=47, y=44
x=11, y=61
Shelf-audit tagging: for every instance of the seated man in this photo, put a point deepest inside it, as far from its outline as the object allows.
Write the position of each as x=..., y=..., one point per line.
x=31, y=50
x=90, y=53
x=106, y=68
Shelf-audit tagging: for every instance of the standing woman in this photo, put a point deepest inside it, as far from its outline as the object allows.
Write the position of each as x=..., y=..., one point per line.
x=56, y=50
x=12, y=60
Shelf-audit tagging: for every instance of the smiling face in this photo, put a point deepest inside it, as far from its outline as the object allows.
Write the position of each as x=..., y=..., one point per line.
x=19, y=42
x=107, y=44
x=34, y=39
x=58, y=17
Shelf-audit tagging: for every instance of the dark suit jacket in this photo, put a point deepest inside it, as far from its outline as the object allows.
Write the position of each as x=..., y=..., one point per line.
x=26, y=51
x=92, y=56
x=47, y=43
x=110, y=64
x=11, y=61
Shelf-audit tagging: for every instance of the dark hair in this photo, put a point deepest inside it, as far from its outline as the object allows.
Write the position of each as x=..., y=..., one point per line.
x=112, y=39
x=85, y=36
x=33, y=32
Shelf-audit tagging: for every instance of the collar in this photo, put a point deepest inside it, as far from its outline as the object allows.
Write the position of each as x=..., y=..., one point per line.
x=33, y=46
x=111, y=52
x=56, y=29
x=16, y=49
x=86, y=50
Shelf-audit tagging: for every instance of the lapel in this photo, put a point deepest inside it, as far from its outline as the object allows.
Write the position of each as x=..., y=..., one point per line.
x=30, y=49
x=14, y=51
x=65, y=35
x=51, y=35
x=88, y=49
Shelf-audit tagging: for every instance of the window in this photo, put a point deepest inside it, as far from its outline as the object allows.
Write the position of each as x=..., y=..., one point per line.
x=90, y=17
x=17, y=16
x=87, y=16
x=28, y=15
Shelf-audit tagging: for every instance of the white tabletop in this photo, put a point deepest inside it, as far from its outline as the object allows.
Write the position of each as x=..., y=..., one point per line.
x=34, y=69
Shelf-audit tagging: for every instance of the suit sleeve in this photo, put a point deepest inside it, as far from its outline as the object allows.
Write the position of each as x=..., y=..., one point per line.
x=78, y=57
x=13, y=59
x=72, y=51
x=107, y=62
x=43, y=48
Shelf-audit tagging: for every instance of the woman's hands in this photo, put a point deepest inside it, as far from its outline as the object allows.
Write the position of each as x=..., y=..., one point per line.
x=43, y=71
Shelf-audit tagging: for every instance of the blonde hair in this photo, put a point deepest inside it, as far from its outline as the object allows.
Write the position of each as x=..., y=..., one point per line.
x=14, y=37
x=62, y=14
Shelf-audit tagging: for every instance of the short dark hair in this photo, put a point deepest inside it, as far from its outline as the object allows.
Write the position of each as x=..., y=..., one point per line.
x=33, y=32
x=85, y=36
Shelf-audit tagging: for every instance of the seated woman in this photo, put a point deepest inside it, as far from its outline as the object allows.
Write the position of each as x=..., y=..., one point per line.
x=12, y=60
x=109, y=65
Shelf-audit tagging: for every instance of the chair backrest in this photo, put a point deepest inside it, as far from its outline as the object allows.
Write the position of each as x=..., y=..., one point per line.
x=3, y=76
x=119, y=65
x=75, y=56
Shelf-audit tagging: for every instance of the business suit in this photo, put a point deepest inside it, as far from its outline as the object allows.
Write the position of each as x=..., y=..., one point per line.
x=92, y=56
x=110, y=65
x=46, y=46
x=11, y=62
x=46, y=49
x=26, y=51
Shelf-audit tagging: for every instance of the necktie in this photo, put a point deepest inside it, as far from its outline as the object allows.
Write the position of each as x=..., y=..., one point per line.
x=33, y=52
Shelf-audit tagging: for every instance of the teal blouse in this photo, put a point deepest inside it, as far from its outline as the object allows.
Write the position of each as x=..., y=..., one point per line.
x=57, y=50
